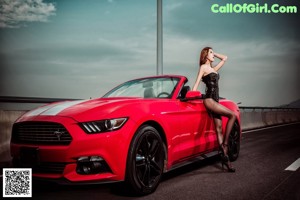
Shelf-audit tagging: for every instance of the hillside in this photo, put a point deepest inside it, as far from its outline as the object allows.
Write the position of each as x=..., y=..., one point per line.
x=294, y=104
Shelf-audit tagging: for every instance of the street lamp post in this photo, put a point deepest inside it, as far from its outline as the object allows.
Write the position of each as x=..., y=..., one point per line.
x=159, y=50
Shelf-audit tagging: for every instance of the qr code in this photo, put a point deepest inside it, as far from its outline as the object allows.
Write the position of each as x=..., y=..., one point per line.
x=17, y=182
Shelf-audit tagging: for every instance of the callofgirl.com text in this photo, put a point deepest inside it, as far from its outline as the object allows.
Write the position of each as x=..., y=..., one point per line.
x=253, y=8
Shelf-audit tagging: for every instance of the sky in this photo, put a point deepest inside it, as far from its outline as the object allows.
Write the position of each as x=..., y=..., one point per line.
x=82, y=49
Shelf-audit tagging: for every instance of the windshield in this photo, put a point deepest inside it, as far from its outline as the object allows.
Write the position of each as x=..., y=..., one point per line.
x=162, y=87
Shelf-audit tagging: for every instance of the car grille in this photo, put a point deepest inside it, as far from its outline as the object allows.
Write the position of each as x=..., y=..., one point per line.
x=48, y=133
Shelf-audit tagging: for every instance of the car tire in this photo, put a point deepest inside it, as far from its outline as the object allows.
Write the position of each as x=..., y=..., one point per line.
x=145, y=163
x=234, y=143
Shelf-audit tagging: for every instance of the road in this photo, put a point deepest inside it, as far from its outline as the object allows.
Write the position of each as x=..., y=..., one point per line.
x=261, y=174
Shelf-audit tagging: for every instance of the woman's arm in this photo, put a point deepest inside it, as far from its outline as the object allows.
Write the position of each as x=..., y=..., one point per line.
x=199, y=77
x=223, y=59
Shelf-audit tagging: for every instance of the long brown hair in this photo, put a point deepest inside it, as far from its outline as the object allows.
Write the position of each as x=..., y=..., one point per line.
x=203, y=55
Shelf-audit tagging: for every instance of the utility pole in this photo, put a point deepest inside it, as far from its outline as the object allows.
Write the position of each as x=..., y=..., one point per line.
x=159, y=50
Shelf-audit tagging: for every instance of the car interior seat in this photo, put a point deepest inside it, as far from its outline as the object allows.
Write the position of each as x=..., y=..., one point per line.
x=183, y=91
x=149, y=93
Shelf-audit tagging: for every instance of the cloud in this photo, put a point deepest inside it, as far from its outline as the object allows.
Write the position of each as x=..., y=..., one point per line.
x=16, y=13
x=253, y=69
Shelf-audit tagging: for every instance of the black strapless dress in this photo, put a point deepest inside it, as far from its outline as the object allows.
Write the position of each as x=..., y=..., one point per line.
x=212, y=87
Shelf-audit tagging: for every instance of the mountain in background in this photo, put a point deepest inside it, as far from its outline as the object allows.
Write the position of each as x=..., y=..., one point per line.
x=294, y=104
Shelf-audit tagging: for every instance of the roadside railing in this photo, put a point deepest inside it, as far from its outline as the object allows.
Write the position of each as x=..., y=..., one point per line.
x=12, y=99
x=258, y=117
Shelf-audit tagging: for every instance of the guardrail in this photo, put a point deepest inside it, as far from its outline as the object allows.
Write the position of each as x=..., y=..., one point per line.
x=258, y=117
x=12, y=99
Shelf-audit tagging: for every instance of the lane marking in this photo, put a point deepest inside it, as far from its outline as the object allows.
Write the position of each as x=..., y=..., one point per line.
x=264, y=128
x=294, y=166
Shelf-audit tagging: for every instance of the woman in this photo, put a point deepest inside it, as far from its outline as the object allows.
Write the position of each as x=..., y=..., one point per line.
x=210, y=77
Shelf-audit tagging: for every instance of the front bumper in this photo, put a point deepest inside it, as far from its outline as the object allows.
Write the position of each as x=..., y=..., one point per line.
x=58, y=162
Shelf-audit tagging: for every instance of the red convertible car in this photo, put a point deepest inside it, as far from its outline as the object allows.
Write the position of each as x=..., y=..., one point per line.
x=134, y=133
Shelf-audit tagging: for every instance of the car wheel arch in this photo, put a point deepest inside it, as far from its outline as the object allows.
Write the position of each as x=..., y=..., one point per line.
x=162, y=134
x=132, y=177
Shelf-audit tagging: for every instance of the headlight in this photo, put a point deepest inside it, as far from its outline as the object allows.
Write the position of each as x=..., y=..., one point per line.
x=103, y=125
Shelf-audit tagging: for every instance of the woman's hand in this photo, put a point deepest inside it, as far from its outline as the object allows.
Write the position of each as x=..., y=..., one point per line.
x=221, y=57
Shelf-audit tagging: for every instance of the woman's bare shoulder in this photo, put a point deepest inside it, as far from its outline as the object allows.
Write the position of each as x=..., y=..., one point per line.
x=204, y=67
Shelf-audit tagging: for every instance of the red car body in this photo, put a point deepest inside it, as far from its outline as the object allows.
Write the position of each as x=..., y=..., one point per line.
x=185, y=129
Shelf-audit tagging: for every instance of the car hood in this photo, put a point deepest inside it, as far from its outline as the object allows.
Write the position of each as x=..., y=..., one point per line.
x=80, y=109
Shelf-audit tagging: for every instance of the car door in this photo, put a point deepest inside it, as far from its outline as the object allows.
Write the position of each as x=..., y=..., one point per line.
x=197, y=129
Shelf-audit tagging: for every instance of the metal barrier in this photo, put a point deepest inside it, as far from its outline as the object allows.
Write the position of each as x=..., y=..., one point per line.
x=258, y=117
x=12, y=99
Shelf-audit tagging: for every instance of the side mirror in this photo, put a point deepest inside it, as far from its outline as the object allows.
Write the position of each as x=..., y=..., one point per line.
x=192, y=95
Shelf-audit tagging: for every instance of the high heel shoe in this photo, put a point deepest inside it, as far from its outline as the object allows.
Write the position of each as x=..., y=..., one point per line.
x=226, y=162
x=221, y=150
x=225, y=159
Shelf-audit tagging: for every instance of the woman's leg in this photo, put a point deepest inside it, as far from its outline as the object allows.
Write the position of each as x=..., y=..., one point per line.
x=218, y=126
x=217, y=108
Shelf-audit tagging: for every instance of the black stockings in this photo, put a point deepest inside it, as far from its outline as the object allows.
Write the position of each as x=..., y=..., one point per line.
x=219, y=109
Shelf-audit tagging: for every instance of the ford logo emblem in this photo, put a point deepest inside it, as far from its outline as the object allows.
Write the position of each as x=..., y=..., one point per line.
x=58, y=134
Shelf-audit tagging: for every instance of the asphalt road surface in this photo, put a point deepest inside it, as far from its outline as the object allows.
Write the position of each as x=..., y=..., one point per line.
x=261, y=174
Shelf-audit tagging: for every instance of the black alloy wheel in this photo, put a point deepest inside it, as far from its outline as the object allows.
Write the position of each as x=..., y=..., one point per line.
x=145, y=162
x=234, y=143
